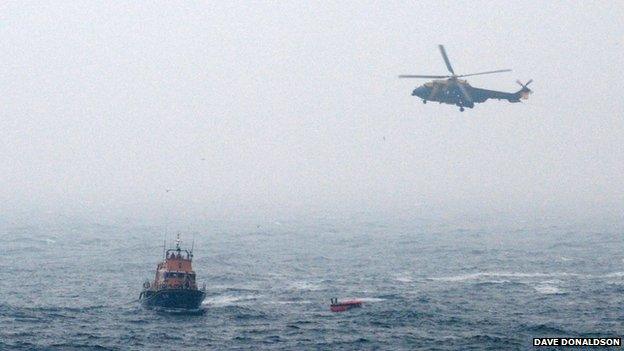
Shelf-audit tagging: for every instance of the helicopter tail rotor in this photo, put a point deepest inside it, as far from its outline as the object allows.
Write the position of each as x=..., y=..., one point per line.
x=524, y=86
x=525, y=91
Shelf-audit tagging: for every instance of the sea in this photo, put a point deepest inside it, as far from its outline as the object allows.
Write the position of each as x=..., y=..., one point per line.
x=425, y=285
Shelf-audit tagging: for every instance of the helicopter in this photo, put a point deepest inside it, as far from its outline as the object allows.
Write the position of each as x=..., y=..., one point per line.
x=455, y=91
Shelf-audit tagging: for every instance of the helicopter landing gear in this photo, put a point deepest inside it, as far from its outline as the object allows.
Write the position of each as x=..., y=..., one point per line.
x=461, y=108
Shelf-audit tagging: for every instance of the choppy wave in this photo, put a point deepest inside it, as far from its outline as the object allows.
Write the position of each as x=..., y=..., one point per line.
x=294, y=302
x=614, y=275
x=508, y=275
x=274, y=294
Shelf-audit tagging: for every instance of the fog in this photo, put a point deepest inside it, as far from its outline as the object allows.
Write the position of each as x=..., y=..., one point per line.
x=223, y=110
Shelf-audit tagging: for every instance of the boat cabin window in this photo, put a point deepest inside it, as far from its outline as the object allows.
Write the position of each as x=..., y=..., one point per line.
x=178, y=275
x=174, y=256
x=178, y=255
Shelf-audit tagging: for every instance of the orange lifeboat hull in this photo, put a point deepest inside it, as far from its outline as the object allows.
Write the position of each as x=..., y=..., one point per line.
x=345, y=305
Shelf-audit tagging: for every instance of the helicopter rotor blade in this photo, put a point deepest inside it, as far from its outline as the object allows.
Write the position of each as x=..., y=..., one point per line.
x=420, y=76
x=446, y=59
x=488, y=72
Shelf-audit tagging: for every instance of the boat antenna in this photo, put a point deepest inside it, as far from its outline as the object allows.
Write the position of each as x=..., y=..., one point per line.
x=164, y=245
x=192, y=247
x=164, y=201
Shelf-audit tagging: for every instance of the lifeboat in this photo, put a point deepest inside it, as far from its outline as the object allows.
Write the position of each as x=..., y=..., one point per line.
x=174, y=285
x=345, y=305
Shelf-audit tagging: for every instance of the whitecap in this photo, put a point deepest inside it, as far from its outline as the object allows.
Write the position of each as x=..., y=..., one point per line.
x=548, y=289
x=497, y=281
x=305, y=285
x=551, y=282
x=508, y=275
x=458, y=278
x=403, y=279
x=290, y=302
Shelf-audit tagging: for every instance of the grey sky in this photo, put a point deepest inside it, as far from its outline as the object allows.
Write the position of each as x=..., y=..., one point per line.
x=273, y=109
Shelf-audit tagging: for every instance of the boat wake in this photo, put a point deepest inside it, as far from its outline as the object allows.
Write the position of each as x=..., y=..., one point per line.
x=229, y=300
x=180, y=311
x=369, y=299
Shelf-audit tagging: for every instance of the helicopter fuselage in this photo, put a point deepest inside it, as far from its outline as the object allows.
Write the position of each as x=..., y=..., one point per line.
x=459, y=92
x=445, y=92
